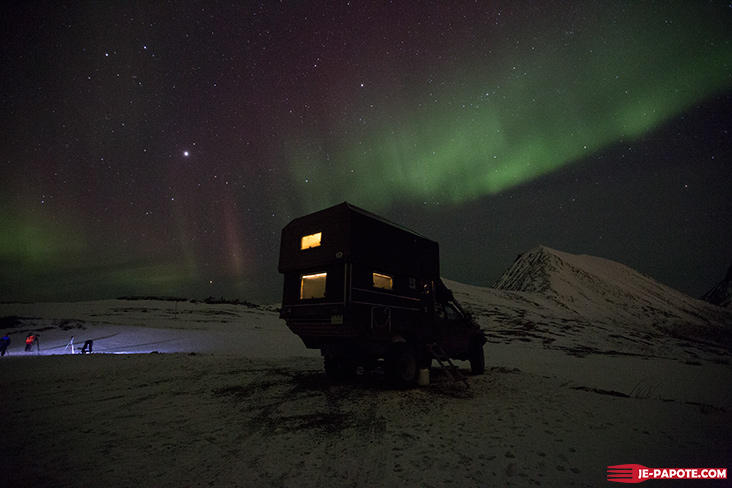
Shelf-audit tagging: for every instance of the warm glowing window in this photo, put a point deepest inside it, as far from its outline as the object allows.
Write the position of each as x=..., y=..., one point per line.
x=312, y=286
x=383, y=281
x=313, y=240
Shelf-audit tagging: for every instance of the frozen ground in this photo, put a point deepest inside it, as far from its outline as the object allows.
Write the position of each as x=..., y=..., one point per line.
x=232, y=398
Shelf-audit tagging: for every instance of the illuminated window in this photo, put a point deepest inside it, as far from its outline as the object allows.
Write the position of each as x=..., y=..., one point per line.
x=312, y=286
x=312, y=240
x=383, y=281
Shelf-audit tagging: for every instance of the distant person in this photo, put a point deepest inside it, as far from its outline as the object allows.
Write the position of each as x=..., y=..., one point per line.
x=90, y=344
x=4, y=344
x=31, y=340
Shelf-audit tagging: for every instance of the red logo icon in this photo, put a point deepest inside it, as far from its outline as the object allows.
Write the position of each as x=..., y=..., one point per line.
x=636, y=473
x=625, y=473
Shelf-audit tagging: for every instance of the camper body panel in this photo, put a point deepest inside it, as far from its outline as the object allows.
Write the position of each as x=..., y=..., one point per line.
x=350, y=234
x=352, y=307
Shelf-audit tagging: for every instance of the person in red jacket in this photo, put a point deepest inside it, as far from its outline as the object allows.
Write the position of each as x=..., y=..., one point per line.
x=30, y=340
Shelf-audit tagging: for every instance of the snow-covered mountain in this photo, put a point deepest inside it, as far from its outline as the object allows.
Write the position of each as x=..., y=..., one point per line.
x=582, y=302
x=721, y=294
x=600, y=289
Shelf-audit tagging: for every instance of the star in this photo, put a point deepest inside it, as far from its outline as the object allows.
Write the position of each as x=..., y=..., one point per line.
x=186, y=153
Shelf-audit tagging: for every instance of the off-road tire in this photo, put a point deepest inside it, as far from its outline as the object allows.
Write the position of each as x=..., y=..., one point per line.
x=402, y=368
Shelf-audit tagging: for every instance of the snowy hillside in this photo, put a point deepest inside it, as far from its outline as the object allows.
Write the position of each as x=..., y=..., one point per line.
x=600, y=289
x=585, y=303
x=128, y=326
x=721, y=294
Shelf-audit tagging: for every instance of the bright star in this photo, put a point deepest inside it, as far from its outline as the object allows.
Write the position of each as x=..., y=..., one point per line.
x=185, y=153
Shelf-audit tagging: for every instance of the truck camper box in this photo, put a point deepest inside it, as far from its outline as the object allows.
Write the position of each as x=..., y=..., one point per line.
x=363, y=289
x=346, y=233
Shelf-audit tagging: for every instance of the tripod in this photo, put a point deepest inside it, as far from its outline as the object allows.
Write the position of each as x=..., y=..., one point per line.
x=71, y=345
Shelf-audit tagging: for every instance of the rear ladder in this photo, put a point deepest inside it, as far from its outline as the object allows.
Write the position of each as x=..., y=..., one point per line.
x=452, y=371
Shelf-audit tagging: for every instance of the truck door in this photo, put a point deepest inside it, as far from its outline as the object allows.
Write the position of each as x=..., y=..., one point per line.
x=452, y=328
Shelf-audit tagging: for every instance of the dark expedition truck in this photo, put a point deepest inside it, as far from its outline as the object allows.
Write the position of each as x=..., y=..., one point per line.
x=363, y=289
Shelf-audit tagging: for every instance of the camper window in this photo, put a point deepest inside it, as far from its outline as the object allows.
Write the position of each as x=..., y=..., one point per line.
x=383, y=281
x=313, y=240
x=312, y=286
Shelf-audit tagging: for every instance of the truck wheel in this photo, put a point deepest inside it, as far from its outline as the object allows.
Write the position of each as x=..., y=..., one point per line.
x=477, y=358
x=402, y=366
x=338, y=368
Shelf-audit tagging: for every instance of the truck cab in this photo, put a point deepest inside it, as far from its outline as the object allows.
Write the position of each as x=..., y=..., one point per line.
x=365, y=290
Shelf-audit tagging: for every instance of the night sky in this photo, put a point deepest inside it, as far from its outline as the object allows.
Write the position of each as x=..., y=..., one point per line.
x=158, y=148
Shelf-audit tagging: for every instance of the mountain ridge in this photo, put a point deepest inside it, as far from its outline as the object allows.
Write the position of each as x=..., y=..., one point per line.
x=721, y=293
x=601, y=288
x=584, y=302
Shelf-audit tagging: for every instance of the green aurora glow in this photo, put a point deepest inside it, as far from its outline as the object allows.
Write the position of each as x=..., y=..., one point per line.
x=489, y=122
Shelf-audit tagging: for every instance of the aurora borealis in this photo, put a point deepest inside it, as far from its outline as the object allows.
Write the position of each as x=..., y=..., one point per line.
x=159, y=149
